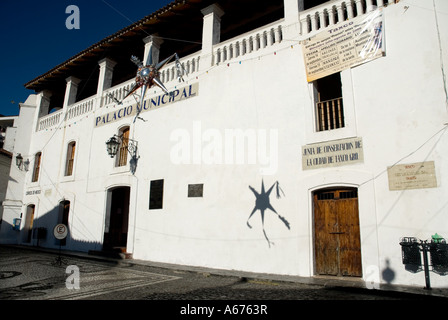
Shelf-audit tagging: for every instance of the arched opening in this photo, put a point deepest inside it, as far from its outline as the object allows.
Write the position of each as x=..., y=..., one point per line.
x=70, y=158
x=122, y=155
x=117, y=219
x=36, y=167
x=337, y=244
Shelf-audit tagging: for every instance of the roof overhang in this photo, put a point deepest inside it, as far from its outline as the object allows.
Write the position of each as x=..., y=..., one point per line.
x=180, y=21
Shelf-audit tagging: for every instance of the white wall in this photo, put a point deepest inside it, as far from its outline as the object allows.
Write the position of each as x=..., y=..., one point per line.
x=396, y=104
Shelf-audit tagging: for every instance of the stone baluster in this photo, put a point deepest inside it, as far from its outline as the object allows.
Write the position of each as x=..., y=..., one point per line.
x=340, y=12
x=350, y=11
x=359, y=9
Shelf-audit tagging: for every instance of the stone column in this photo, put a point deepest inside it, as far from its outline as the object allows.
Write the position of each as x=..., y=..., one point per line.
x=43, y=103
x=106, y=73
x=152, y=44
x=104, y=79
x=292, y=27
x=70, y=91
x=211, y=33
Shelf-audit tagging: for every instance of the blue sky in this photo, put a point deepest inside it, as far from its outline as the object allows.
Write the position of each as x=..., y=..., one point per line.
x=34, y=37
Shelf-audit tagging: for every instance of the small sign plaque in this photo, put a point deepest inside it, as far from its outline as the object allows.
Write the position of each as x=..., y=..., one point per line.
x=412, y=176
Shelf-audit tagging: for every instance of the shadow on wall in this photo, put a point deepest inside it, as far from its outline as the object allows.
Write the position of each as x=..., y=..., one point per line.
x=388, y=274
x=262, y=203
x=38, y=232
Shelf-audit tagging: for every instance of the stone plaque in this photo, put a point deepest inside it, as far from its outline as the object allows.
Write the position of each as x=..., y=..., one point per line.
x=332, y=153
x=195, y=190
x=412, y=176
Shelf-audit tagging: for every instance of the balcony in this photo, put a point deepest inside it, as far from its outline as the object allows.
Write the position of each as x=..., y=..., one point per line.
x=244, y=46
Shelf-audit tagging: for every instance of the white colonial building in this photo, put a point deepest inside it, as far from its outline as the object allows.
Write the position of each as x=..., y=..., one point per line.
x=307, y=138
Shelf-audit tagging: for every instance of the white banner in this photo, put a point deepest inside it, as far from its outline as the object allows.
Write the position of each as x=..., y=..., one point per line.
x=344, y=45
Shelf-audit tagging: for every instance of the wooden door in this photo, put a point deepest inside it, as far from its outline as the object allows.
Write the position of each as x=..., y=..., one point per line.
x=28, y=229
x=336, y=233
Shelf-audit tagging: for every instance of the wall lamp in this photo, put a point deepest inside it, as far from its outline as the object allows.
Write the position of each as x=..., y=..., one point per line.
x=113, y=144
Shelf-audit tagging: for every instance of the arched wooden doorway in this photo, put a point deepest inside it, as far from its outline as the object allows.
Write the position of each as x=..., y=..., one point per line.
x=337, y=244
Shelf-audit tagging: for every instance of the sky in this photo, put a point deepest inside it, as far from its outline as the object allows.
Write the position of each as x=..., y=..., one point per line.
x=34, y=37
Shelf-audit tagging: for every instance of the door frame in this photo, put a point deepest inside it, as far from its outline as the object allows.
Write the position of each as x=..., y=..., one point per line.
x=107, y=216
x=30, y=216
x=337, y=235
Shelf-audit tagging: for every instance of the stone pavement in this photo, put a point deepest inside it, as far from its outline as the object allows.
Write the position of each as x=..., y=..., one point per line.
x=101, y=282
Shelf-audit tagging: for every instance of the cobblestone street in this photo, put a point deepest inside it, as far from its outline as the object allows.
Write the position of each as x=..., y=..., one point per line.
x=34, y=275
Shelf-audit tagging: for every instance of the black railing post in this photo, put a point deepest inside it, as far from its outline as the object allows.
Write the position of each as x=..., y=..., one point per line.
x=426, y=264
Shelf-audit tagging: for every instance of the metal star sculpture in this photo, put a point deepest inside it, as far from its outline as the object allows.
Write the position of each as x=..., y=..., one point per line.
x=262, y=203
x=148, y=75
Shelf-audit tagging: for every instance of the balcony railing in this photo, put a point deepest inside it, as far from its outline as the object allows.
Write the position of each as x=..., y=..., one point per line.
x=332, y=12
x=80, y=108
x=74, y=111
x=49, y=121
x=330, y=115
x=244, y=44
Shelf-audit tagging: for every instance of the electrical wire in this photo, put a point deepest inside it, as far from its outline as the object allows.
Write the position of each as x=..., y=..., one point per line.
x=444, y=129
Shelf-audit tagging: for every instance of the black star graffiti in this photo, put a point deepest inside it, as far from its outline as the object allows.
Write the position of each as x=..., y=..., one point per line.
x=263, y=203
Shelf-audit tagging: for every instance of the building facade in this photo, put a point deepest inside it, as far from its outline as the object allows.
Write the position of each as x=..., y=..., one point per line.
x=274, y=154
x=7, y=141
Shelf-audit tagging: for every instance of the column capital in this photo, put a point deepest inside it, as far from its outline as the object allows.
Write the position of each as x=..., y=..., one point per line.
x=73, y=80
x=45, y=94
x=154, y=39
x=108, y=63
x=215, y=9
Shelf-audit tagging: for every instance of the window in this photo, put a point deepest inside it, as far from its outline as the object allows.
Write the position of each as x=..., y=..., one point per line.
x=70, y=158
x=329, y=107
x=123, y=150
x=37, y=160
x=156, y=194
